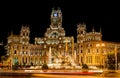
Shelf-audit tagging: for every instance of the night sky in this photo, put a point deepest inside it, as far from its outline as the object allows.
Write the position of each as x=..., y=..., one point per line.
x=37, y=15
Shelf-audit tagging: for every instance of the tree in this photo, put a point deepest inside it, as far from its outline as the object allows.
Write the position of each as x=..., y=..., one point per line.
x=2, y=58
x=15, y=67
x=111, y=62
x=44, y=67
x=84, y=66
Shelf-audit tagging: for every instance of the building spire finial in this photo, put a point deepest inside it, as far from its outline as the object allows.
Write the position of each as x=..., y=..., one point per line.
x=93, y=29
x=11, y=32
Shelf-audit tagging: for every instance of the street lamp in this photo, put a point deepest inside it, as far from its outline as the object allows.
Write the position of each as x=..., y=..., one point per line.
x=115, y=57
x=45, y=54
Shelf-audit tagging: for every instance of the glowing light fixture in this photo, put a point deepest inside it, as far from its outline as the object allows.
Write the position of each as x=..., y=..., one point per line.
x=55, y=14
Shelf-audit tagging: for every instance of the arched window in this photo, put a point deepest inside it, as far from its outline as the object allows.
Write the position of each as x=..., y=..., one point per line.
x=15, y=52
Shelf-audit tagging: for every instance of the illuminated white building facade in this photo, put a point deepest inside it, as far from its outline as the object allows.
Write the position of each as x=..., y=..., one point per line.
x=55, y=47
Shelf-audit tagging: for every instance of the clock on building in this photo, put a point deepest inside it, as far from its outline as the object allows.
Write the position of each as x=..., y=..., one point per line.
x=55, y=15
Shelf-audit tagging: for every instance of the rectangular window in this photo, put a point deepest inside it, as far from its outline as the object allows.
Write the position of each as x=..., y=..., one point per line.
x=97, y=50
x=88, y=50
x=15, y=52
x=81, y=32
x=81, y=51
x=90, y=59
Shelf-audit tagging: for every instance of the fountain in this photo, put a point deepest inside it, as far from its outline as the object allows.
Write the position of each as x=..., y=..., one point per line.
x=58, y=60
x=71, y=60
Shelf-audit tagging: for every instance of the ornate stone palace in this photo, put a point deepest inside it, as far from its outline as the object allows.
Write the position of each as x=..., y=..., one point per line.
x=56, y=48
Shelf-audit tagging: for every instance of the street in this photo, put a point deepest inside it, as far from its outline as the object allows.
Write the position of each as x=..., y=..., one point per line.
x=22, y=74
x=62, y=76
